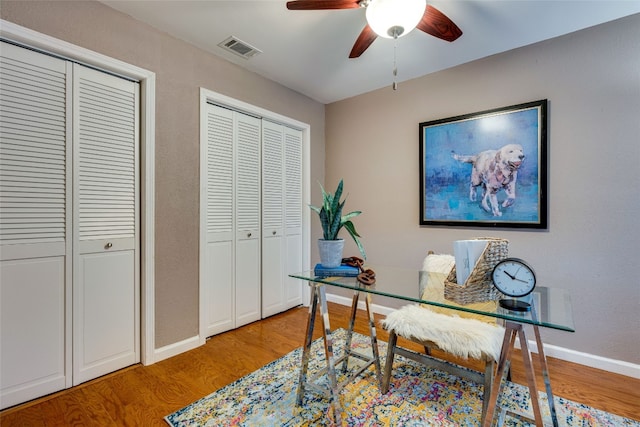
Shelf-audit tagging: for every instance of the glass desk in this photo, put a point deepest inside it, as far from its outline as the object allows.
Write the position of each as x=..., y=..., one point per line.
x=551, y=308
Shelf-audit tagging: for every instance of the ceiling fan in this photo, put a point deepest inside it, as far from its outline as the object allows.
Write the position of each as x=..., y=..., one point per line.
x=389, y=19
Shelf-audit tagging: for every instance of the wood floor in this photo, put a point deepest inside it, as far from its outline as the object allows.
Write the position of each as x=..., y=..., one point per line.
x=143, y=395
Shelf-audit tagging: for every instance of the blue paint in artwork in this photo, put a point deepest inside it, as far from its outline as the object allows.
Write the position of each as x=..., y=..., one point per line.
x=447, y=180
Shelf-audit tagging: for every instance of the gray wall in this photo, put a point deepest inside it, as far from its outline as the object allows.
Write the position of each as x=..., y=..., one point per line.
x=592, y=81
x=181, y=70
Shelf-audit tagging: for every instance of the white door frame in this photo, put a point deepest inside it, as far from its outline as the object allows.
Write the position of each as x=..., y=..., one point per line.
x=243, y=107
x=147, y=79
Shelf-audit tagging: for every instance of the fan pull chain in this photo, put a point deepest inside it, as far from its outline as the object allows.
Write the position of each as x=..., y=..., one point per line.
x=395, y=66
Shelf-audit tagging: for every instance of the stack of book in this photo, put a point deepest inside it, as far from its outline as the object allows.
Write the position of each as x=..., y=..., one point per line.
x=340, y=271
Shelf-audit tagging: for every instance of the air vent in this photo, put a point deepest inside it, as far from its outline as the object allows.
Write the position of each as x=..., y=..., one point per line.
x=240, y=48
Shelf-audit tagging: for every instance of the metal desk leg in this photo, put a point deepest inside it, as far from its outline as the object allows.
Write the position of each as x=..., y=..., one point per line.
x=531, y=375
x=319, y=298
x=545, y=375
x=311, y=318
x=318, y=295
x=374, y=339
x=352, y=321
x=328, y=350
x=372, y=334
x=511, y=331
x=503, y=368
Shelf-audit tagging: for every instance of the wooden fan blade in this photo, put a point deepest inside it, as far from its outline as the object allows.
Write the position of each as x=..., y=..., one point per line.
x=438, y=25
x=366, y=37
x=322, y=4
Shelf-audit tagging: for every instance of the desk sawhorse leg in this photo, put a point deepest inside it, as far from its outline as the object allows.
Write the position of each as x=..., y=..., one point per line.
x=319, y=297
x=513, y=330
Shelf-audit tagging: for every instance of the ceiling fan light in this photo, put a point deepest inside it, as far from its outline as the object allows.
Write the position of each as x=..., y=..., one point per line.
x=394, y=18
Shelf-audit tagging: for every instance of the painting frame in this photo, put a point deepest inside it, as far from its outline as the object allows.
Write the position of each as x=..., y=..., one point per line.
x=497, y=155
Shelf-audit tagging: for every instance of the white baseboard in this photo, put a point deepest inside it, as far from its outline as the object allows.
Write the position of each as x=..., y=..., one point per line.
x=174, y=349
x=610, y=365
x=594, y=361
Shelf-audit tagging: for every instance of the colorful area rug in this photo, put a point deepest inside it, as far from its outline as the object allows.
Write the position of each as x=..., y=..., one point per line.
x=418, y=396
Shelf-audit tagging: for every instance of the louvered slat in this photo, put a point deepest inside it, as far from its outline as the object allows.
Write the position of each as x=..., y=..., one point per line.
x=32, y=149
x=106, y=115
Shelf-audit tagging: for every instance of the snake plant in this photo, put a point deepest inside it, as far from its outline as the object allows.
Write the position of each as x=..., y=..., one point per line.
x=332, y=219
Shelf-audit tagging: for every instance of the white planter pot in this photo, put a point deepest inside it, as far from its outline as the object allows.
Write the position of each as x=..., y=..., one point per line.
x=330, y=252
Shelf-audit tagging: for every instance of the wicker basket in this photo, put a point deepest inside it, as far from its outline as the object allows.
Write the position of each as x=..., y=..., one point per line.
x=479, y=286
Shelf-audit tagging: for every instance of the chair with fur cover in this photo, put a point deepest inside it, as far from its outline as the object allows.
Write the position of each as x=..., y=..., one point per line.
x=445, y=331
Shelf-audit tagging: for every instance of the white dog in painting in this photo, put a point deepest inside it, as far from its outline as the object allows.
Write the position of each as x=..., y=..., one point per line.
x=494, y=170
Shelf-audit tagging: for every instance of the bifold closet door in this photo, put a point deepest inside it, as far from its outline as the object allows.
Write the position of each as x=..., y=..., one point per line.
x=273, y=241
x=219, y=249
x=35, y=236
x=248, y=291
x=106, y=295
x=232, y=271
x=69, y=221
x=281, y=217
x=292, y=216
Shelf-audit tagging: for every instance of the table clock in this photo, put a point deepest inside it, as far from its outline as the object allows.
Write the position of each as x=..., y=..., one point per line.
x=514, y=278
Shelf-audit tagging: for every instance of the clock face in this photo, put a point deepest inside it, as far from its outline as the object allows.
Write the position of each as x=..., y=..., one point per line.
x=513, y=277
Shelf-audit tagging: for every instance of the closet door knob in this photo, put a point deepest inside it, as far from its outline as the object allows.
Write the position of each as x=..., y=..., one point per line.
x=248, y=234
x=108, y=245
x=274, y=232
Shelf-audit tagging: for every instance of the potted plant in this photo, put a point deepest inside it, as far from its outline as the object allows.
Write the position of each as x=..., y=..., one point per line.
x=332, y=221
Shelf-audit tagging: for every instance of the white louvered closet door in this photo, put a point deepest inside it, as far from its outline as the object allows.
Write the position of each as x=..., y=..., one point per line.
x=281, y=217
x=252, y=199
x=247, y=218
x=219, y=271
x=273, y=243
x=106, y=223
x=293, y=215
x=35, y=253
x=232, y=271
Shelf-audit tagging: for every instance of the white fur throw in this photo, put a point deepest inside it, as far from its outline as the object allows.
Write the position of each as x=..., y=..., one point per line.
x=435, y=269
x=459, y=336
x=435, y=263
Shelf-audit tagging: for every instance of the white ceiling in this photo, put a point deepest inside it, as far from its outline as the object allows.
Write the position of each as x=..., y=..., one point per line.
x=307, y=51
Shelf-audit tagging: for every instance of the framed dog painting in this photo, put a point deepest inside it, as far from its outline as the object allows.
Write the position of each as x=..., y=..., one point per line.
x=486, y=169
